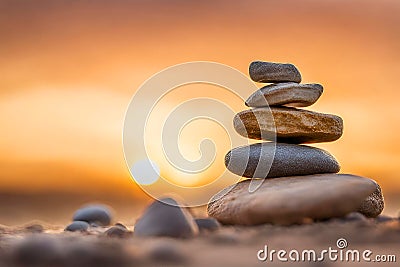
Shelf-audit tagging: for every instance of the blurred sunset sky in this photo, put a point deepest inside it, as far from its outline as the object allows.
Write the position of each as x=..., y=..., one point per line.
x=69, y=68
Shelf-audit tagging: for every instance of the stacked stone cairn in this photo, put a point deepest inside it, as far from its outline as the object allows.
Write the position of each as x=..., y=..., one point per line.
x=305, y=186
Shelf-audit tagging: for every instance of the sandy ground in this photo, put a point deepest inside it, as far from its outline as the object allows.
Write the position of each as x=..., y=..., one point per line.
x=229, y=246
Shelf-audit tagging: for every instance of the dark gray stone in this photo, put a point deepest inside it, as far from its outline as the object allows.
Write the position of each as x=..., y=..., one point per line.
x=166, y=218
x=279, y=160
x=98, y=214
x=287, y=94
x=268, y=72
x=77, y=226
x=374, y=204
x=207, y=224
x=290, y=200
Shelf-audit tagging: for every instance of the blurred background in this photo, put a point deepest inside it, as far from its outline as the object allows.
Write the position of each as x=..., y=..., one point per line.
x=68, y=70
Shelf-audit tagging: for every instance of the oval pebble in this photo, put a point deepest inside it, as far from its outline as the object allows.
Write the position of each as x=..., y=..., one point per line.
x=98, y=214
x=77, y=226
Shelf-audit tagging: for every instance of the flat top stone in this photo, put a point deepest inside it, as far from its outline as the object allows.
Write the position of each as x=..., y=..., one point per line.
x=287, y=94
x=267, y=72
x=290, y=200
x=269, y=160
x=291, y=125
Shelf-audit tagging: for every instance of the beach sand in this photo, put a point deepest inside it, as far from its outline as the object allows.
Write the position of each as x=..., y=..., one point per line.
x=46, y=245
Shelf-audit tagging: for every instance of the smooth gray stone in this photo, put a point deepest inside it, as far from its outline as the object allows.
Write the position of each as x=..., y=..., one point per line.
x=290, y=200
x=374, y=204
x=161, y=219
x=286, y=94
x=98, y=214
x=207, y=224
x=269, y=72
x=283, y=160
x=77, y=226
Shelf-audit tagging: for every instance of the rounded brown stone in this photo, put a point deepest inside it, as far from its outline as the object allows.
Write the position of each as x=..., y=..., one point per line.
x=290, y=200
x=287, y=94
x=269, y=72
x=290, y=125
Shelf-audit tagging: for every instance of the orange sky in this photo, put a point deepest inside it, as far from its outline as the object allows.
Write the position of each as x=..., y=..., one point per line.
x=69, y=68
